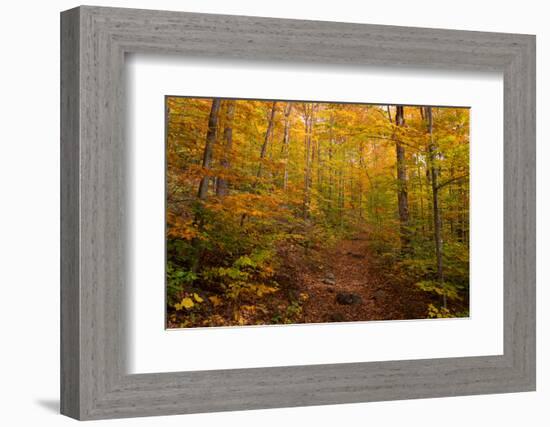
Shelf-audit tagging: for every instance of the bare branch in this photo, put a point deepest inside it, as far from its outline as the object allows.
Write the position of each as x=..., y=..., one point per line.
x=457, y=178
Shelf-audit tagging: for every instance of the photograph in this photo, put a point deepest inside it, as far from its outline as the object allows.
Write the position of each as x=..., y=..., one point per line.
x=287, y=212
x=277, y=209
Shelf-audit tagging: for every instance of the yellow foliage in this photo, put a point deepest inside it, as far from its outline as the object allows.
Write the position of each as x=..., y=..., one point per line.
x=260, y=289
x=434, y=312
x=186, y=303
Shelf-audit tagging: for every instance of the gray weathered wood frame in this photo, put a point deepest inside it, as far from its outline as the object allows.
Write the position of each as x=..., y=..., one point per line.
x=94, y=41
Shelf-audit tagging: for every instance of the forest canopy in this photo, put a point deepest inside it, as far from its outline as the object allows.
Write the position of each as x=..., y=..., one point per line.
x=284, y=212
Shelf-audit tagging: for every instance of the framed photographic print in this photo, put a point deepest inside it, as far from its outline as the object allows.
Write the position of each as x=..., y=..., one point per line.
x=349, y=208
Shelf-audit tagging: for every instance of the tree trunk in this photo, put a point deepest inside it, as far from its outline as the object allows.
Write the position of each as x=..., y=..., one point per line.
x=341, y=198
x=286, y=142
x=421, y=195
x=402, y=195
x=362, y=172
x=263, y=151
x=268, y=133
x=308, y=124
x=432, y=154
x=330, y=164
x=209, y=146
x=222, y=186
x=203, y=186
x=319, y=166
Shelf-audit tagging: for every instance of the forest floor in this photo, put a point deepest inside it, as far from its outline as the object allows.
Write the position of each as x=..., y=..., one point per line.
x=343, y=282
x=347, y=282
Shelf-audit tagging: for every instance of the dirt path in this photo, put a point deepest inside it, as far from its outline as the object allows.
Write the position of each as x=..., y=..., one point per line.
x=351, y=288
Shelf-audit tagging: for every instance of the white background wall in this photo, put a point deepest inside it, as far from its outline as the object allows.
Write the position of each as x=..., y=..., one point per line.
x=29, y=214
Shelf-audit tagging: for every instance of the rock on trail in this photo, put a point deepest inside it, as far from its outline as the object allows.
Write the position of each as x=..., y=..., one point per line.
x=348, y=298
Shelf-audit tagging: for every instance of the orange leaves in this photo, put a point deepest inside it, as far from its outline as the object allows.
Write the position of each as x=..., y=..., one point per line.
x=252, y=205
x=215, y=300
x=180, y=228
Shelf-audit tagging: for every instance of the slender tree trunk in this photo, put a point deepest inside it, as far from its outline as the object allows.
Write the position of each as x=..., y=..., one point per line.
x=452, y=208
x=330, y=174
x=432, y=153
x=362, y=170
x=307, y=177
x=319, y=167
x=421, y=196
x=360, y=201
x=209, y=146
x=308, y=125
x=268, y=133
x=203, y=186
x=374, y=195
x=286, y=141
x=263, y=150
x=330, y=165
x=341, y=202
x=222, y=186
x=354, y=193
x=463, y=214
x=312, y=161
x=402, y=194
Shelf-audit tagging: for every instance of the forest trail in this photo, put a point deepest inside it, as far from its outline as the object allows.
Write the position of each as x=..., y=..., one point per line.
x=284, y=212
x=352, y=287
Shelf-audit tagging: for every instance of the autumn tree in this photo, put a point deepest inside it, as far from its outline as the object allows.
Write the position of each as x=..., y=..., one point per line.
x=225, y=162
x=286, y=143
x=209, y=147
x=401, y=167
x=267, y=137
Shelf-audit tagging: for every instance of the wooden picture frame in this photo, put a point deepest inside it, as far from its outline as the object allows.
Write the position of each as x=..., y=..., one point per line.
x=94, y=382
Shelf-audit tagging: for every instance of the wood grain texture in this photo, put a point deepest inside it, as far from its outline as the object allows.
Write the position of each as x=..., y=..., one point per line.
x=70, y=220
x=94, y=267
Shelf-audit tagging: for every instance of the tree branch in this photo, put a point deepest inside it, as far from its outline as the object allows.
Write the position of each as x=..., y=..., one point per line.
x=445, y=183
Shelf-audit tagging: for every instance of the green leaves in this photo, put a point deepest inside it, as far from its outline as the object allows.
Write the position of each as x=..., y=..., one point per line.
x=447, y=289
